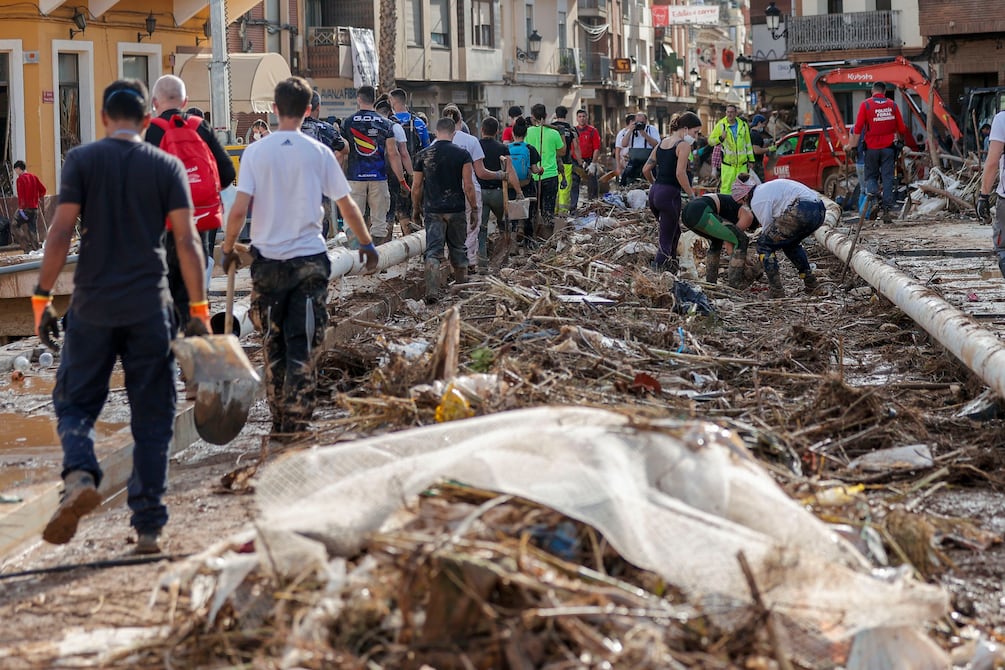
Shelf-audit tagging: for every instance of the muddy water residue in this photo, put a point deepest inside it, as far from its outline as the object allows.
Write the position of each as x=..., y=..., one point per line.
x=35, y=383
x=39, y=432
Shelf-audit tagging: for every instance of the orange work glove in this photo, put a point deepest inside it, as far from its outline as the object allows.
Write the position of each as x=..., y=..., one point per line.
x=198, y=318
x=46, y=319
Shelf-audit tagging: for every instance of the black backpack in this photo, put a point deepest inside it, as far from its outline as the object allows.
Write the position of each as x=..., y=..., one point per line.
x=412, y=139
x=569, y=135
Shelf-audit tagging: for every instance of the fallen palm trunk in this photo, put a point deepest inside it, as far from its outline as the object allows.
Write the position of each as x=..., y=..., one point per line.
x=979, y=349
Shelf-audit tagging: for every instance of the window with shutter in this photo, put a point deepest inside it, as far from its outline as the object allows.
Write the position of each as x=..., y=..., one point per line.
x=439, y=33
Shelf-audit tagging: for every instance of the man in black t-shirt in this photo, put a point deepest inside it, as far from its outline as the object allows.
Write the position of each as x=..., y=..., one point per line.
x=123, y=189
x=760, y=142
x=443, y=182
x=496, y=159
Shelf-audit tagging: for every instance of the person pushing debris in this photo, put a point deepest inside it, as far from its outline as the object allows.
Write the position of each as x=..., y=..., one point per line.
x=121, y=307
x=707, y=216
x=287, y=173
x=789, y=213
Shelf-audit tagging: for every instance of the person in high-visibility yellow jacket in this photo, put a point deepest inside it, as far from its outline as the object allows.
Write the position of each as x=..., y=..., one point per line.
x=737, y=151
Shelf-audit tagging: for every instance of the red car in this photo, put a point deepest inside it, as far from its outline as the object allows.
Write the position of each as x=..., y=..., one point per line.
x=814, y=158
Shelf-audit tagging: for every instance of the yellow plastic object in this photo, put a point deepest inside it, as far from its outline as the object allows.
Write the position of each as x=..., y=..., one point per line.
x=453, y=406
x=835, y=496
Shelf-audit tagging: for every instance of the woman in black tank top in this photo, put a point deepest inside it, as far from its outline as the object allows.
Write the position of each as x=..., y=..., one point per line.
x=669, y=160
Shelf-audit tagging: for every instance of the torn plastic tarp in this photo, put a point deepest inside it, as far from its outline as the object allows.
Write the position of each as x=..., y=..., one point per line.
x=679, y=499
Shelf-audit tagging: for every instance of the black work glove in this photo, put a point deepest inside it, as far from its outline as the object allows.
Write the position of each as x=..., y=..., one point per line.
x=984, y=208
x=195, y=328
x=368, y=256
x=228, y=258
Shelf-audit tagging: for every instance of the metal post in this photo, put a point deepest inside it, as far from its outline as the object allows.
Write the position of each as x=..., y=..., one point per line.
x=219, y=72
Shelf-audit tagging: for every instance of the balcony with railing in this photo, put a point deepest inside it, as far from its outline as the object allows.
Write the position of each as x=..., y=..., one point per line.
x=833, y=32
x=591, y=8
x=596, y=67
x=329, y=51
x=567, y=61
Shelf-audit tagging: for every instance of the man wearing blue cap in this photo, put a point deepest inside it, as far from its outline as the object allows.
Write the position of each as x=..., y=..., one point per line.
x=760, y=142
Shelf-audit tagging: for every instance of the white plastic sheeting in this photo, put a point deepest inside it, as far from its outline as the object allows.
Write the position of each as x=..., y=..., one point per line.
x=679, y=499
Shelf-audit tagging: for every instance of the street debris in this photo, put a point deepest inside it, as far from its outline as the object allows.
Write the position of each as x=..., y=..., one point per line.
x=753, y=493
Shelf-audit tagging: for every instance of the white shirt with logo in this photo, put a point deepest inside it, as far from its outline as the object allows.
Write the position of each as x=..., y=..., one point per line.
x=287, y=173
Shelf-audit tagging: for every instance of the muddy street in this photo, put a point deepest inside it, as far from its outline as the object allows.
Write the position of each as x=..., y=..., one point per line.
x=819, y=389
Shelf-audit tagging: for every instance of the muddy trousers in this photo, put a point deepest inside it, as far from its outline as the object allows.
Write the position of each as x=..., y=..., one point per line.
x=24, y=231
x=702, y=220
x=450, y=229
x=492, y=203
x=800, y=220
x=998, y=234
x=289, y=298
x=548, y=189
x=665, y=203
x=85, y=366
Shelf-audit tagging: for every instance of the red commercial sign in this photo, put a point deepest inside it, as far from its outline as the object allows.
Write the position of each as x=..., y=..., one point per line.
x=48, y=97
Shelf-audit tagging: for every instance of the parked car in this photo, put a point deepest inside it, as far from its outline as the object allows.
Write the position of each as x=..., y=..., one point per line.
x=815, y=157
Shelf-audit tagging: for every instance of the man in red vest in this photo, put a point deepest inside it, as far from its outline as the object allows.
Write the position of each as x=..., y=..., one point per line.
x=30, y=191
x=880, y=118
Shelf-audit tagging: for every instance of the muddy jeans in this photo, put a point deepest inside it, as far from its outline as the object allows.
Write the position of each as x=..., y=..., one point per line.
x=800, y=220
x=450, y=229
x=879, y=165
x=85, y=366
x=25, y=231
x=492, y=203
x=998, y=229
x=290, y=300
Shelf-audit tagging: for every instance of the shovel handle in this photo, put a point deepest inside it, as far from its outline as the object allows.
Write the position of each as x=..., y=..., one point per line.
x=228, y=319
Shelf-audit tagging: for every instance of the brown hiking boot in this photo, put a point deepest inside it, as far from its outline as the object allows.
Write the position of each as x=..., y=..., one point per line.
x=146, y=543
x=775, y=283
x=80, y=496
x=460, y=275
x=734, y=275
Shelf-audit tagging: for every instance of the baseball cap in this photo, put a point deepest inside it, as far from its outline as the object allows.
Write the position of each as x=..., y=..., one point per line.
x=758, y=118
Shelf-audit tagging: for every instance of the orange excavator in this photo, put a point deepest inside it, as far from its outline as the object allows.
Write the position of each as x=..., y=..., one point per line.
x=899, y=72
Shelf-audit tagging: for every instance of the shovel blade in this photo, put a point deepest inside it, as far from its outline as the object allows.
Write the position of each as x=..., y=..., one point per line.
x=212, y=359
x=221, y=409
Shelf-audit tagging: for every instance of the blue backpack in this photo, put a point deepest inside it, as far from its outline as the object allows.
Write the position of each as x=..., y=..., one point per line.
x=519, y=153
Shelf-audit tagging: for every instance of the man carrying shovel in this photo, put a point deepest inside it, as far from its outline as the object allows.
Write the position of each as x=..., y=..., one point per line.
x=123, y=189
x=287, y=173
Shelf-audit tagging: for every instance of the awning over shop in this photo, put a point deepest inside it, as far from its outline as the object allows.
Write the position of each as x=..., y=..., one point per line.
x=253, y=79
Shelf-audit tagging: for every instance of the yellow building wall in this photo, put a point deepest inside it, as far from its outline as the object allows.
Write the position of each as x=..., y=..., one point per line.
x=106, y=37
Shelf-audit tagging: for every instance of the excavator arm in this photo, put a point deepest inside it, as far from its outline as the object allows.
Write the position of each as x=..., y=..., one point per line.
x=900, y=72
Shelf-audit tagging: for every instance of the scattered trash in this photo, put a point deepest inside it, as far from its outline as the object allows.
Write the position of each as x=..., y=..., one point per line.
x=985, y=407
x=21, y=364
x=637, y=198
x=45, y=360
x=909, y=457
x=972, y=297
x=10, y=500
x=689, y=299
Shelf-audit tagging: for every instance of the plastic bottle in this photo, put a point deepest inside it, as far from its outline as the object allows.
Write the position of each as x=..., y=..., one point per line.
x=453, y=406
x=21, y=364
x=45, y=360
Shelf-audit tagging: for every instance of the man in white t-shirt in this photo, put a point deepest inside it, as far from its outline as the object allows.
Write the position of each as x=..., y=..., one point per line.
x=400, y=208
x=287, y=173
x=473, y=147
x=619, y=151
x=994, y=169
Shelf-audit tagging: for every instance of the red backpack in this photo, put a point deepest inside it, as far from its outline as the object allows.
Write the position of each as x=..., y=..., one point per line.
x=181, y=139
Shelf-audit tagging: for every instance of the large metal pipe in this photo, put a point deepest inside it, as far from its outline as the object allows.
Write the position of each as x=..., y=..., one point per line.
x=344, y=262
x=978, y=349
x=31, y=265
